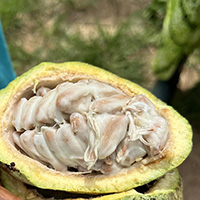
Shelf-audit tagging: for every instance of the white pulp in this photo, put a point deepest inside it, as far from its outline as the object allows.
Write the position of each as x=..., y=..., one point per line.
x=88, y=126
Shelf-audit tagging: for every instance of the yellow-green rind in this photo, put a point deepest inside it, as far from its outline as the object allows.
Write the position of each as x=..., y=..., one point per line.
x=168, y=187
x=177, y=149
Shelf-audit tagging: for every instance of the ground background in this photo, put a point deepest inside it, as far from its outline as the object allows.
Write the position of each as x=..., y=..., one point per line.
x=120, y=36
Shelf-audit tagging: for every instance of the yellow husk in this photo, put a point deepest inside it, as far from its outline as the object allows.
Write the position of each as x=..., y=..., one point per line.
x=33, y=172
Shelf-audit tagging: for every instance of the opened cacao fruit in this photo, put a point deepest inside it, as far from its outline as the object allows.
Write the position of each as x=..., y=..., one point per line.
x=76, y=128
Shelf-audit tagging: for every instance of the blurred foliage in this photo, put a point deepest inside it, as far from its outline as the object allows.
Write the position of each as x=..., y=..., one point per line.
x=38, y=31
x=155, y=12
x=73, y=30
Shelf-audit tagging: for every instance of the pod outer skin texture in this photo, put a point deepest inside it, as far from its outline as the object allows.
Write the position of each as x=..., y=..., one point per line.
x=32, y=172
x=168, y=187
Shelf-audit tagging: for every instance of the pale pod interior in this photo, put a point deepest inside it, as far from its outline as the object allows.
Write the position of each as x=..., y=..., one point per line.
x=88, y=127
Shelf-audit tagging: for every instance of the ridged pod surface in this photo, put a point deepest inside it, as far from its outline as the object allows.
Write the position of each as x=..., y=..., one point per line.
x=180, y=36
